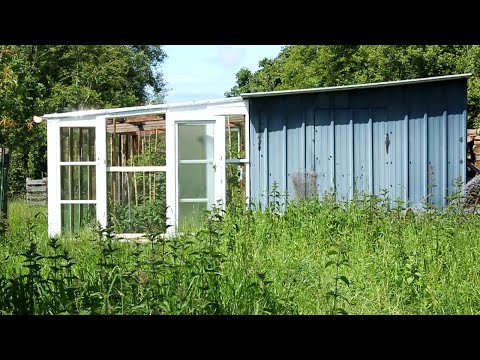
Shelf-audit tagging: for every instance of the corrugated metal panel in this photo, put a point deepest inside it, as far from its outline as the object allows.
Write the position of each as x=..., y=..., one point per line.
x=362, y=155
x=324, y=164
x=456, y=98
x=343, y=154
x=254, y=153
x=295, y=142
x=276, y=145
x=404, y=141
x=434, y=141
x=397, y=120
x=417, y=176
x=381, y=157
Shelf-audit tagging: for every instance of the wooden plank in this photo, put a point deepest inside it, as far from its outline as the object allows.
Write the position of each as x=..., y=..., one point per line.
x=36, y=182
x=132, y=163
x=143, y=177
x=149, y=173
x=113, y=162
x=36, y=191
x=155, y=154
x=37, y=196
x=127, y=148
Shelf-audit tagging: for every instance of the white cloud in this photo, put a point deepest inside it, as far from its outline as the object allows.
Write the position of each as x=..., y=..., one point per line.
x=231, y=55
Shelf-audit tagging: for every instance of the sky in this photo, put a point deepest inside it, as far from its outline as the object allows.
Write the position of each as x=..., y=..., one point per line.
x=199, y=72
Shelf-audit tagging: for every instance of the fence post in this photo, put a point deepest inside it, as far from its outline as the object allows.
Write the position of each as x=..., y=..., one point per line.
x=4, y=161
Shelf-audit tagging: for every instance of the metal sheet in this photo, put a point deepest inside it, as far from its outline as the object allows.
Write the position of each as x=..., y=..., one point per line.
x=407, y=142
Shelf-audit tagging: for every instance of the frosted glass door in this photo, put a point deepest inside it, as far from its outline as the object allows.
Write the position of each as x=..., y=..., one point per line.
x=195, y=169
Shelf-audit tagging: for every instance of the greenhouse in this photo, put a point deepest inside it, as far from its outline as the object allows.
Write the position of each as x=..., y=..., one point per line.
x=133, y=166
x=160, y=165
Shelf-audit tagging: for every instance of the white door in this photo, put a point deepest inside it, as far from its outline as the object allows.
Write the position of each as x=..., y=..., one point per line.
x=76, y=188
x=196, y=171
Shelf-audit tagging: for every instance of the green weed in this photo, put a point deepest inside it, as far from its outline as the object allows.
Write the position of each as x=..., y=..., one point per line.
x=368, y=255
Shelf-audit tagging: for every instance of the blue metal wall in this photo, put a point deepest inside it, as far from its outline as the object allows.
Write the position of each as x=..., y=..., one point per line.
x=341, y=136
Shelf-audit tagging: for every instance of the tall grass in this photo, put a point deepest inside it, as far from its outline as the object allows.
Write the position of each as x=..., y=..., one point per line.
x=315, y=257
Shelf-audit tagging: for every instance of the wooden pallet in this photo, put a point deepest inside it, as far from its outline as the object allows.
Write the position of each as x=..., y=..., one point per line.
x=36, y=191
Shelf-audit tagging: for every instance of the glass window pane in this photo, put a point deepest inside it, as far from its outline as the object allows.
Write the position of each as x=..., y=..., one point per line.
x=67, y=183
x=136, y=201
x=191, y=212
x=74, y=144
x=136, y=141
x=77, y=144
x=235, y=181
x=66, y=224
x=195, y=142
x=77, y=182
x=64, y=144
x=74, y=216
x=87, y=144
x=91, y=144
x=235, y=136
x=87, y=182
x=195, y=181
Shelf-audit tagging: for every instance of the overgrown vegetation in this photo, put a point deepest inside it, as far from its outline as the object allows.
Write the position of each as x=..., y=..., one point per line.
x=135, y=208
x=316, y=257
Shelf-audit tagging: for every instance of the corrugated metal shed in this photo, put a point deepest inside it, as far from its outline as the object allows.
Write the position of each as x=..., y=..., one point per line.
x=406, y=138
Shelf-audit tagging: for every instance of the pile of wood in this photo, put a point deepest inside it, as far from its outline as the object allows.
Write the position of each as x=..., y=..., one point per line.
x=473, y=146
x=36, y=191
x=472, y=187
x=473, y=153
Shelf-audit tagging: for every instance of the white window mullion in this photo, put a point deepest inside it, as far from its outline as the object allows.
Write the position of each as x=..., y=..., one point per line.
x=136, y=168
x=193, y=200
x=101, y=171
x=247, y=151
x=219, y=160
x=170, y=186
x=203, y=161
x=69, y=163
x=53, y=188
x=78, y=201
x=236, y=161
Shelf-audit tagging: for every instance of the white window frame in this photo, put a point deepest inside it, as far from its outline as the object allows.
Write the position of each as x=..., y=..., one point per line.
x=114, y=169
x=172, y=120
x=96, y=118
x=54, y=174
x=246, y=159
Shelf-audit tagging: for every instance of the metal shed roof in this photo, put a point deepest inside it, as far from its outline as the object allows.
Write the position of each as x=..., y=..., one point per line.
x=355, y=86
x=142, y=109
x=162, y=108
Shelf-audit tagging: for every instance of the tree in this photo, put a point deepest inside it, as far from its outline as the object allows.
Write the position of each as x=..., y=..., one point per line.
x=40, y=79
x=308, y=66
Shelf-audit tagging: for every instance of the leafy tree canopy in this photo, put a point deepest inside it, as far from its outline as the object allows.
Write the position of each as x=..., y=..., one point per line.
x=307, y=66
x=40, y=79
